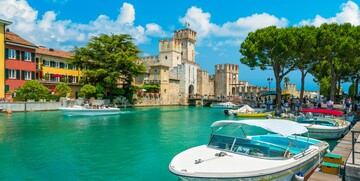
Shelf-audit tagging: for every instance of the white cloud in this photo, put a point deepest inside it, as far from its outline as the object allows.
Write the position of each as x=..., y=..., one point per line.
x=349, y=14
x=127, y=14
x=63, y=34
x=201, y=23
x=153, y=29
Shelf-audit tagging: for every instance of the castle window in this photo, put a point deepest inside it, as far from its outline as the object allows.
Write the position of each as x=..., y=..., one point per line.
x=165, y=57
x=164, y=90
x=177, y=57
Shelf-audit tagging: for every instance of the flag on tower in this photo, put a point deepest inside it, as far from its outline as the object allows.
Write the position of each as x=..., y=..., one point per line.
x=187, y=24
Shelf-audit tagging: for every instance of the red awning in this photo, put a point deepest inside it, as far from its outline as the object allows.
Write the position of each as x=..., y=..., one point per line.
x=324, y=111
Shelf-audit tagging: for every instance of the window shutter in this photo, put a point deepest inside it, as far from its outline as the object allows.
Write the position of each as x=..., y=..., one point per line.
x=6, y=53
x=17, y=55
x=22, y=75
x=33, y=57
x=6, y=88
x=32, y=75
x=18, y=74
x=22, y=55
x=6, y=73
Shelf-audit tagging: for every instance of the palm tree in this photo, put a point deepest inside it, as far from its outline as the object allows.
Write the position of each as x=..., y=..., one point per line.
x=286, y=80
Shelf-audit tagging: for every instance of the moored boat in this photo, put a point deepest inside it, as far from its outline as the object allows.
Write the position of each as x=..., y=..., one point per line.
x=234, y=154
x=224, y=105
x=88, y=111
x=255, y=115
x=327, y=124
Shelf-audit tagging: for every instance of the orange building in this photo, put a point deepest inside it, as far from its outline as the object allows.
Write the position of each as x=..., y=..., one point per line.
x=19, y=61
x=3, y=23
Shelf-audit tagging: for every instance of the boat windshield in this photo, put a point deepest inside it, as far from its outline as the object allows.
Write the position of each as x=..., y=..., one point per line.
x=264, y=146
x=318, y=121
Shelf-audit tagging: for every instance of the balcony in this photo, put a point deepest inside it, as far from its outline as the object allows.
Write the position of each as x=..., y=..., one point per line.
x=152, y=82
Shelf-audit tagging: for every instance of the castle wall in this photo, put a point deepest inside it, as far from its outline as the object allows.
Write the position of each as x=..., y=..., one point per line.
x=170, y=52
x=205, y=83
x=188, y=39
x=226, y=80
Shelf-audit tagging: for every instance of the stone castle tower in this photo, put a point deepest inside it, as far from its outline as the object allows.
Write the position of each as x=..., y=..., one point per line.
x=226, y=80
x=179, y=72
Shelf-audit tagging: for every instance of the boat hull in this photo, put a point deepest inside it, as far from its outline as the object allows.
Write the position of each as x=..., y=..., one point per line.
x=307, y=166
x=259, y=115
x=89, y=112
x=327, y=133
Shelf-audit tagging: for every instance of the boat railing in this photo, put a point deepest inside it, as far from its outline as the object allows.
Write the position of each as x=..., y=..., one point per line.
x=353, y=142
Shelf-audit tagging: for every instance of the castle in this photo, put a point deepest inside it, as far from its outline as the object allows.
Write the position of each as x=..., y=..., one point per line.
x=179, y=76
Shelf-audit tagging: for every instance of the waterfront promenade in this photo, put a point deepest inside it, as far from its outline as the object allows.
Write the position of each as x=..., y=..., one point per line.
x=344, y=148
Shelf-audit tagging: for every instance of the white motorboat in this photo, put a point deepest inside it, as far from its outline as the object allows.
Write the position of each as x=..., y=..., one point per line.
x=224, y=105
x=233, y=154
x=325, y=125
x=88, y=111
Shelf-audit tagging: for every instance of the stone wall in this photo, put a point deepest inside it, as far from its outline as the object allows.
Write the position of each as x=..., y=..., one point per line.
x=30, y=106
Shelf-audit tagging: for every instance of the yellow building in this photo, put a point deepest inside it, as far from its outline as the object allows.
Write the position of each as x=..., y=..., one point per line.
x=52, y=69
x=3, y=23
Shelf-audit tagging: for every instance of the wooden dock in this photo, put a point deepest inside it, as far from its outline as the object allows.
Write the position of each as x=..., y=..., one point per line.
x=344, y=148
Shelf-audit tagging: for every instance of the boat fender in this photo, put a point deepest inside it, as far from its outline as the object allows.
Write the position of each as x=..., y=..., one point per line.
x=298, y=177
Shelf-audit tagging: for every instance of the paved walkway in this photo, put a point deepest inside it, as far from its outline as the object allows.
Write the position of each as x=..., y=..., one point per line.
x=343, y=148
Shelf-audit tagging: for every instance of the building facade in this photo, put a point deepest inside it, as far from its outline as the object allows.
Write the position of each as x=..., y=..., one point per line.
x=52, y=68
x=3, y=25
x=19, y=61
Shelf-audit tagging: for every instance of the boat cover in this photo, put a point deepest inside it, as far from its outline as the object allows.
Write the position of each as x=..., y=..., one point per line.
x=246, y=109
x=323, y=111
x=283, y=127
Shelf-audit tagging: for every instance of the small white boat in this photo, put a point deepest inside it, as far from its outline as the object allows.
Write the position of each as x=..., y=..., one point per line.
x=232, y=154
x=224, y=105
x=84, y=111
x=325, y=125
x=243, y=109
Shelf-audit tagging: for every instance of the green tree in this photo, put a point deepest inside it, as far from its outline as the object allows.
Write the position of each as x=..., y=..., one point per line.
x=99, y=91
x=338, y=47
x=107, y=59
x=304, y=54
x=62, y=89
x=87, y=90
x=270, y=48
x=32, y=89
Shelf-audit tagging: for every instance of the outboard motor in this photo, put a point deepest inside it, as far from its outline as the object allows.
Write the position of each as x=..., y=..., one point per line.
x=226, y=112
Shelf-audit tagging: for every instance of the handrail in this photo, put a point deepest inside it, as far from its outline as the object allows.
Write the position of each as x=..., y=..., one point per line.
x=353, y=142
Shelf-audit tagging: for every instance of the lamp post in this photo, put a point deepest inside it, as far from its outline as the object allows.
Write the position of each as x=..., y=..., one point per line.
x=318, y=83
x=269, y=80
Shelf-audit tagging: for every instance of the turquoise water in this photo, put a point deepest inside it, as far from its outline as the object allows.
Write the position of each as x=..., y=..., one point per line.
x=135, y=145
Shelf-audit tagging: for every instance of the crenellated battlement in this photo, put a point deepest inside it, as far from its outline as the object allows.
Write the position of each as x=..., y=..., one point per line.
x=170, y=44
x=150, y=60
x=231, y=68
x=186, y=33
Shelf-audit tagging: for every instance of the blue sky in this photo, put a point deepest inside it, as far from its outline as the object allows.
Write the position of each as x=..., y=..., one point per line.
x=221, y=26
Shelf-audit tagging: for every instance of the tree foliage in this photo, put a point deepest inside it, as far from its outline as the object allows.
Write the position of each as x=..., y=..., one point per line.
x=32, y=90
x=62, y=89
x=107, y=59
x=87, y=90
x=330, y=53
x=270, y=48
